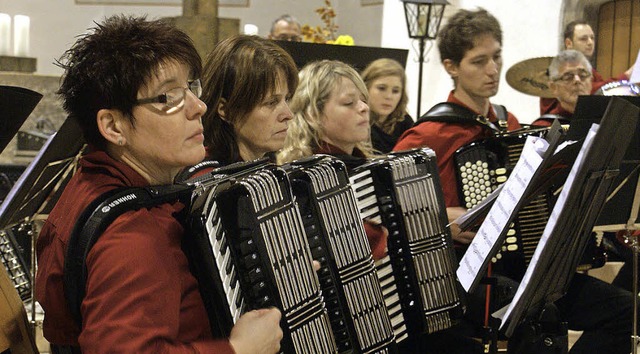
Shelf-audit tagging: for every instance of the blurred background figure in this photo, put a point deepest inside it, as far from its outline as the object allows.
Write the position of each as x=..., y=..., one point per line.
x=286, y=28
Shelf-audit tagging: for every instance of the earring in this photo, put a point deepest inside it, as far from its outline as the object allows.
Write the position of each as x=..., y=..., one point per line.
x=120, y=141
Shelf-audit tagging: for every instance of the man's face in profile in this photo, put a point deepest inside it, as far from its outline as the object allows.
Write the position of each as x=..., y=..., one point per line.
x=285, y=31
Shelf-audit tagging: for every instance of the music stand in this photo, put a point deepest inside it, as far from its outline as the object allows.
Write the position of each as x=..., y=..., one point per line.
x=548, y=278
x=46, y=174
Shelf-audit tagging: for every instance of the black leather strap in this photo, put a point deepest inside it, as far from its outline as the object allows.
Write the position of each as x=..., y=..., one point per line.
x=95, y=219
x=448, y=112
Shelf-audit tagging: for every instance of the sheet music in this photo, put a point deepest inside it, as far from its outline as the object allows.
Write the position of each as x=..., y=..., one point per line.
x=496, y=221
x=553, y=218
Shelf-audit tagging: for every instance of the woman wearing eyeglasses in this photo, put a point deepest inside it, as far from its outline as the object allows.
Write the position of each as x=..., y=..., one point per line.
x=248, y=81
x=570, y=74
x=132, y=85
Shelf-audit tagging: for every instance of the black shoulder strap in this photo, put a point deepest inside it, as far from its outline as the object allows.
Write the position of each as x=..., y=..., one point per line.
x=449, y=112
x=192, y=171
x=503, y=116
x=95, y=219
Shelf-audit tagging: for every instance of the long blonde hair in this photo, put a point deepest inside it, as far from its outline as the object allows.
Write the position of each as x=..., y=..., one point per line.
x=316, y=82
x=382, y=68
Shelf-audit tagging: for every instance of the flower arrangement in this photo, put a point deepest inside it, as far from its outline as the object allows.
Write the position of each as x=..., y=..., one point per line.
x=327, y=33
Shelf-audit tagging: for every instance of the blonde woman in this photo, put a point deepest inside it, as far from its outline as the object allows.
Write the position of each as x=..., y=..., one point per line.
x=331, y=116
x=386, y=83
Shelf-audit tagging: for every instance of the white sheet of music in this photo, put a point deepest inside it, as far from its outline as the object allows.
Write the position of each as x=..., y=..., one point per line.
x=553, y=218
x=498, y=216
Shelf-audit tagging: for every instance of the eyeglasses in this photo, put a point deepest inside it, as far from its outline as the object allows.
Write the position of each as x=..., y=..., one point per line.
x=174, y=98
x=569, y=76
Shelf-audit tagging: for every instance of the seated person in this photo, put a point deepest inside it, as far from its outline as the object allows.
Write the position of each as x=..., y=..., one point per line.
x=286, y=28
x=386, y=82
x=570, y=74
x=133, y=86
x=578, y=35
x=248, y=82
x=331, y=117
x=470, y=49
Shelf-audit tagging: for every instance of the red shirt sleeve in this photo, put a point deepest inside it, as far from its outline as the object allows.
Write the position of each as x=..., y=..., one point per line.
x=141, y=297
x=377, y=236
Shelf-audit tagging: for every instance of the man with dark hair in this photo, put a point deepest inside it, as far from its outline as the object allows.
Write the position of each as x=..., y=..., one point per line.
x=286, y=28
x=579, y=36
x=470, y=47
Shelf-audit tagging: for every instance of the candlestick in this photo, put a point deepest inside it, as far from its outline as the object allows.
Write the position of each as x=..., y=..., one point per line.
x=21, y=35
x=5, y=34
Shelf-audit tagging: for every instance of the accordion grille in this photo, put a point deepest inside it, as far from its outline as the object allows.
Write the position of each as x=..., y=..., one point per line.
x=356, y=307
x=401, y=191
x=262, y=258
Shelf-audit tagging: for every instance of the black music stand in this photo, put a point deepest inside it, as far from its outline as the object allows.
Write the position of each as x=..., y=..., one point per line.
x=357, y=56
x=618, y=213
x=548, y=278
x=45, y=175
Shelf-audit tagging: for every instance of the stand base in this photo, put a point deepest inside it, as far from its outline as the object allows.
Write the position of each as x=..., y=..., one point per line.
x=546, y=334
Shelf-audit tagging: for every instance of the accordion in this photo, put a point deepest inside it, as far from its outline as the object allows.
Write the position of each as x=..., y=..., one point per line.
x=337, y=240
x=248, y=250
x=402, y=191
x=15, y=251
x=481, y=167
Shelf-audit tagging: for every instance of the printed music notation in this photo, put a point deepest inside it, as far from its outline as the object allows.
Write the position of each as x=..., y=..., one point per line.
x=486, y=240
x=553, y=219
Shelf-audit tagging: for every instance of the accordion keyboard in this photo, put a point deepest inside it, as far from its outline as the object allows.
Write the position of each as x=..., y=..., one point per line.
x=337, y=239
x=260, y=257
x=403, y=192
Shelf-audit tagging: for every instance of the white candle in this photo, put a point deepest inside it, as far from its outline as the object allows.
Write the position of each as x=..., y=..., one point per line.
x=5, y=34
x=21, y=35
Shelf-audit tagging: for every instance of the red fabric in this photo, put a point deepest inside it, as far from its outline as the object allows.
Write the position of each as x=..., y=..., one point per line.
x=376, y=234
x=548, y=105
x=140, y=295
x=445, y=139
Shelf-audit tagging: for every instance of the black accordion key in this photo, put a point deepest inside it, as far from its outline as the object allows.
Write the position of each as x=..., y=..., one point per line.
x=402, y=191
x=348, y=279
x=248, y=250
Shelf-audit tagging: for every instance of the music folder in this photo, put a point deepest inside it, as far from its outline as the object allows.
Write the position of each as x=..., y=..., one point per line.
x=537, y=167
x=571, y=222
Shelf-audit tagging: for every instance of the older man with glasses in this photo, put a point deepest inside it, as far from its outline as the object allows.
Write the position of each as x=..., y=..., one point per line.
x=570, y=76
x=286, y=28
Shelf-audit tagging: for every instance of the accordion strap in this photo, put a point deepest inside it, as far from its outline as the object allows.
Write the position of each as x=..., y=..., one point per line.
x=92, y=223
x=449, y=112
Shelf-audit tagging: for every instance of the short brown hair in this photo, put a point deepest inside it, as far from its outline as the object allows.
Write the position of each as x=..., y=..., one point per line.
x=462, y=29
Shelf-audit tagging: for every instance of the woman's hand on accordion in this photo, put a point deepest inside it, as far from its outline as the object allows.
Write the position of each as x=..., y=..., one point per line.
x=257, y=332
x=464, y=237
